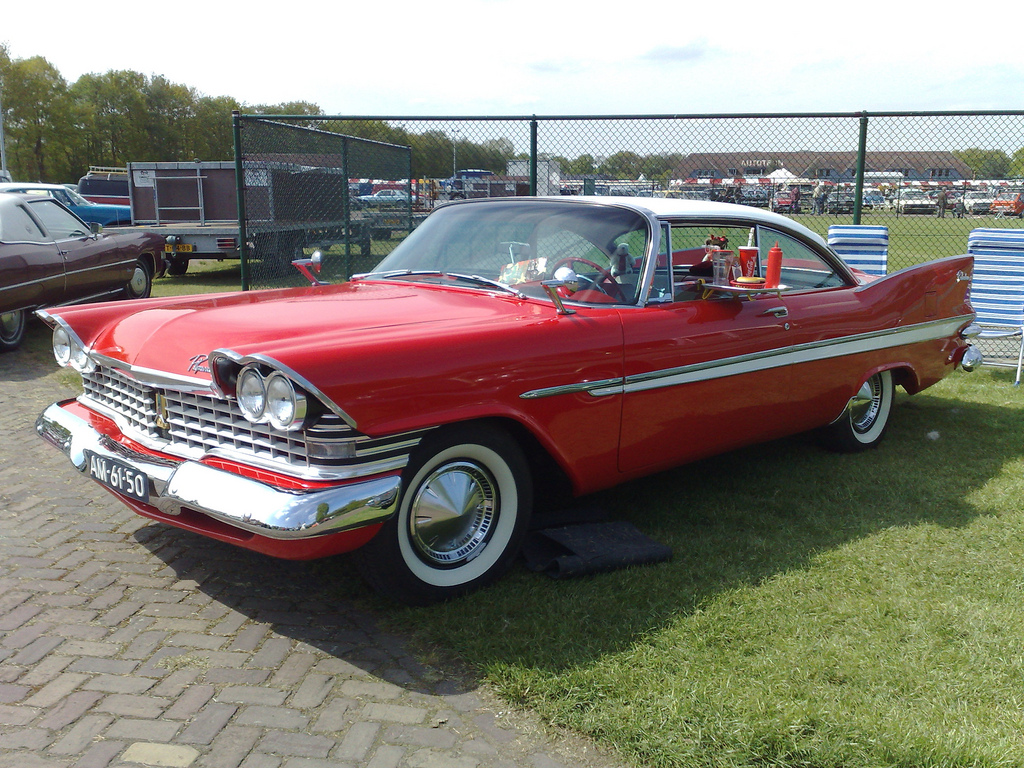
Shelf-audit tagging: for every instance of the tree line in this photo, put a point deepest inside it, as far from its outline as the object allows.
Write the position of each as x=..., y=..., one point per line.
x=55, y=130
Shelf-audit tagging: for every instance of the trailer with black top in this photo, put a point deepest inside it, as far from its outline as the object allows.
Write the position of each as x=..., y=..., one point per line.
x=195, y=207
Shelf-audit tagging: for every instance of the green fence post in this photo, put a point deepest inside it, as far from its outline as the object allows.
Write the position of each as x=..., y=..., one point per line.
x=858, y=189
x=243, y=246
x=533, y=156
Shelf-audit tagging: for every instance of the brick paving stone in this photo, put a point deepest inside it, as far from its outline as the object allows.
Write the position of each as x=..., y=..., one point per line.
x=99, y=755
x=126, y=643
x=168, y=755
x=230, y=746
x=244, y=694
x=81, y=734
x=69, y=710
x=130, y=705
x=189, y=701
x=208, y=723
x=279, y=717
x=134, y=730
x=357, y=742
x=296, y=744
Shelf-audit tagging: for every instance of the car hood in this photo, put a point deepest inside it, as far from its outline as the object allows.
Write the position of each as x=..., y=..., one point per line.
x=105, y=214
x=292, y=326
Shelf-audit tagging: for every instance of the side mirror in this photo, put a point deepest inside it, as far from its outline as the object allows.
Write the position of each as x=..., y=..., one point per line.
x=564, y=278
x=95, y=227
x=310, y=267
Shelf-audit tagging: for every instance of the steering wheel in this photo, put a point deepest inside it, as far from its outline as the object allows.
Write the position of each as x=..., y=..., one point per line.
x=604, y=282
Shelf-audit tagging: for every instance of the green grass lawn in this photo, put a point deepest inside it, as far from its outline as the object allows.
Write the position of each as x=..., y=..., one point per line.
x=820, y=610
x=914, y=238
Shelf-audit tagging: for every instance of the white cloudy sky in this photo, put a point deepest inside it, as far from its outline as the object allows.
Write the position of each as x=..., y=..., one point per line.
x=558, y=57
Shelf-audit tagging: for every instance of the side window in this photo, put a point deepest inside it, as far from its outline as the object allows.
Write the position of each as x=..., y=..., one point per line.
x=59, y=223
x=690, y=244
x=18, y=227
x=802, y=267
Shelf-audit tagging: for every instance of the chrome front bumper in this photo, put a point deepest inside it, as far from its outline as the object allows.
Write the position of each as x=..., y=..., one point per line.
x=238, y=501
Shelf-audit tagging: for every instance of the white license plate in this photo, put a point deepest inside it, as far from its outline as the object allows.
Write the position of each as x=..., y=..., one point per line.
x=118, y=476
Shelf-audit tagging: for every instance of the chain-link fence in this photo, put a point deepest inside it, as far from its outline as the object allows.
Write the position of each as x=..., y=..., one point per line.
x=929, y=177
x=300, y=193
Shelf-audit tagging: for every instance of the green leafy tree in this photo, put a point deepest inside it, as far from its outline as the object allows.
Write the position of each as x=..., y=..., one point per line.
x=37, y=119
x=211, y=137
x=115, y=108
x=1017, y=164
x=622, y=165
x=985, y=163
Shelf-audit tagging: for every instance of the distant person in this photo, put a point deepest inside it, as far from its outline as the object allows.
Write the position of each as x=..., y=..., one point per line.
x=940, y=203
x=819, y=197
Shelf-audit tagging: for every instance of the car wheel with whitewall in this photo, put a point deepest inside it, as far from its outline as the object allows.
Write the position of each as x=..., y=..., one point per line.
x=865, y=419
x=12, y=329
x=465, y=506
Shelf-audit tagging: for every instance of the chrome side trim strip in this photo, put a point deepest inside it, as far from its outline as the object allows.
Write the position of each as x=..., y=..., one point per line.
x=775, y=358
x=571, y=389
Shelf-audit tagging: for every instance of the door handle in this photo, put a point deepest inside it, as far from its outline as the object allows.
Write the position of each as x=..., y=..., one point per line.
x=776, y=311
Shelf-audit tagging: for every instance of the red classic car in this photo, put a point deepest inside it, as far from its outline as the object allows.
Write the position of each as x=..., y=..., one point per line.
x=1009, y=203
x=508, y=348
x=50, y=256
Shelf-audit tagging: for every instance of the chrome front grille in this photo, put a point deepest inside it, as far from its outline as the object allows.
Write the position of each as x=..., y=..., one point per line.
x=195, y=424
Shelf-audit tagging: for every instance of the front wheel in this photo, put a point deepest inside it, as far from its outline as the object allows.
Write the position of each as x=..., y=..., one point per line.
x=141, y=283
x=12, y=329
x=865, y=419
x=464, y=510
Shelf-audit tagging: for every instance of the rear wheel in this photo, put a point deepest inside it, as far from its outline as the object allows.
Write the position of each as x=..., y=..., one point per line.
x=141, y=283
x=177, y=267
x=12, y=329
x=465, y=506
x=865, y=419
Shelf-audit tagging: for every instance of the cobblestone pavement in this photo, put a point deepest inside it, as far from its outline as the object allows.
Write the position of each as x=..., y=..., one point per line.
x=125, y=643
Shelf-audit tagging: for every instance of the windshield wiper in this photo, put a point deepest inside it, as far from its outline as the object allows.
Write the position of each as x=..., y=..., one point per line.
x=438, y=273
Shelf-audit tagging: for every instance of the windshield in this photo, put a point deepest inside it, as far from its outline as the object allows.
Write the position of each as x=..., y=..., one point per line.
x=520, y=243
x=77, y=199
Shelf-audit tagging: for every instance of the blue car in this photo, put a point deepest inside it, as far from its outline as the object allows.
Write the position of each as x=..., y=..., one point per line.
x=87, y=211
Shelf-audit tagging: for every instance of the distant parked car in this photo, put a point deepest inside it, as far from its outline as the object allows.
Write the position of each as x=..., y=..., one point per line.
x=385, y=197
x=786, y=201
x=1010, y=203
x=755, y=196
x=978, y=202
x=50, y=256
x=915, y=201
x=87, y=211
x=873, y=200
x=840, y=202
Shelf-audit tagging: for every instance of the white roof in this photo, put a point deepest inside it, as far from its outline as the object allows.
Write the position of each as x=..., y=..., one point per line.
x=668, y=207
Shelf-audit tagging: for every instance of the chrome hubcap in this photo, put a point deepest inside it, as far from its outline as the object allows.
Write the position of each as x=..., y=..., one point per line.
x=10, y=324
x=864, y=406
x=138, y=281
x=453, y=513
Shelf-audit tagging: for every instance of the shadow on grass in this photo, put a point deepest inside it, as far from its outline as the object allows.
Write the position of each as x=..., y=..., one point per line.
x=733, y=521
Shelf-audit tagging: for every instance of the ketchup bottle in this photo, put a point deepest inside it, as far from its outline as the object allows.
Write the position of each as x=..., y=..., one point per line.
x=771, y=279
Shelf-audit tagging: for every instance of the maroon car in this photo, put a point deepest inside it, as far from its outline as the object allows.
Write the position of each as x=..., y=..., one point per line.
x=49, y=256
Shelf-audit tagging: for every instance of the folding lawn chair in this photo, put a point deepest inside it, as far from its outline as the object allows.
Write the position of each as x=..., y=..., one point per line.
x=997, y=290
x=861, y=246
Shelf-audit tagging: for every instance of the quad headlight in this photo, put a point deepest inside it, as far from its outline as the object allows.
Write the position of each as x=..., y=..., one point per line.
x=68, y=351
x=286, y=406
x=272, y=399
